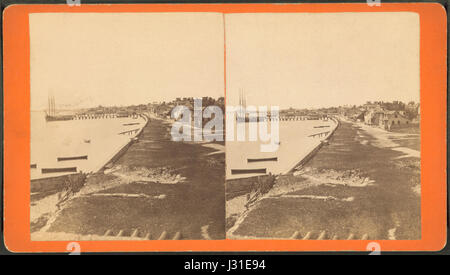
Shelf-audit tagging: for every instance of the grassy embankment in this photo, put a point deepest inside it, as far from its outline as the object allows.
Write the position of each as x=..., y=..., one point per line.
x=350, y=186
x=177, y=187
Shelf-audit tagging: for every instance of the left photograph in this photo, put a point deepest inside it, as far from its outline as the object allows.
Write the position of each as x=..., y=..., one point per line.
x=127, y=126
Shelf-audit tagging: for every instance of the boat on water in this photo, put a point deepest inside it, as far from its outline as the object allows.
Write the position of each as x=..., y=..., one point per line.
x=59, y=170
x=58, y=117
x=51, y=114
x=72, y=158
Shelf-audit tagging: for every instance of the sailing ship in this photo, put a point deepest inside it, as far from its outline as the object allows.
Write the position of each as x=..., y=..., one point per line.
x=243, y=115
x=51, y=114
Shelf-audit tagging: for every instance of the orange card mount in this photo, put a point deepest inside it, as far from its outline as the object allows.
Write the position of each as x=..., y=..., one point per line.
x=433, y=74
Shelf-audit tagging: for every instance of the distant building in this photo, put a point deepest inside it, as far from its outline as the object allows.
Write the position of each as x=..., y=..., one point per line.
x=373, y=115
x=392, y=119
x=355, y=114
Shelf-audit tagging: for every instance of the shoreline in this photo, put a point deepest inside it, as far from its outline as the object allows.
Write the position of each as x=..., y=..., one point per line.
x=302, y=159
x=238, y=205
x=101, y=166
x=292, y=151
x=151, y=188
x=116, y=155
x=339, y=179
x=311, y=154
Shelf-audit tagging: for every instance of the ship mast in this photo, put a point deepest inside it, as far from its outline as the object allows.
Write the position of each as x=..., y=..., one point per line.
x=51, y=106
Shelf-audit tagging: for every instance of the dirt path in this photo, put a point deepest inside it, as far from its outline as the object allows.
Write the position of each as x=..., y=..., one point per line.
x=352, y=188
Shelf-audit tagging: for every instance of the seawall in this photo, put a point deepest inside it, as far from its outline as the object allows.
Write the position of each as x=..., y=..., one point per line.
x=118, y=153
x=57, y=183
x=314, y=151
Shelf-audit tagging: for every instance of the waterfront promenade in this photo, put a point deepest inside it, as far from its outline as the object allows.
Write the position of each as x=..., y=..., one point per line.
x=359, y=186
x=158, y=188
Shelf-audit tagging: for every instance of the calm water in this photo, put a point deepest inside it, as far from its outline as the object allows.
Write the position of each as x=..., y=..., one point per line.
x=294, y=146
x=50, y=140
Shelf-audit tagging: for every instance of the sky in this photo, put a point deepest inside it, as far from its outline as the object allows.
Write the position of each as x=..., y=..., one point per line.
x=312, y=60
x=301, y=60
x=91, y=59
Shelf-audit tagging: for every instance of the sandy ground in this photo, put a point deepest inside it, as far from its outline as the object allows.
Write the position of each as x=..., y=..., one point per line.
x=361, y=185
x=386, y=139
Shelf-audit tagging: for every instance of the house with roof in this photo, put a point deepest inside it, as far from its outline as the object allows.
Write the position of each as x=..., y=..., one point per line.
x=391, y=119
x=373, y=114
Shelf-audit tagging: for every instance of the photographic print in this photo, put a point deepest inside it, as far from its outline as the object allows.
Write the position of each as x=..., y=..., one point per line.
x=107, y=91
x=225, y=127
x=328, y=128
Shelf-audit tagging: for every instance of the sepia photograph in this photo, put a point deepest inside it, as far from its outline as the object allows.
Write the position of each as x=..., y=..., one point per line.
x=126, y=126
x=239, y=126
x=218, y=129
x=325, y=143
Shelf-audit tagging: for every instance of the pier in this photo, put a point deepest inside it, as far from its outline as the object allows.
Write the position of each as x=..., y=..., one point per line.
x=105, y=116
x=297, y=118
x=130, y=132
x=322, y=134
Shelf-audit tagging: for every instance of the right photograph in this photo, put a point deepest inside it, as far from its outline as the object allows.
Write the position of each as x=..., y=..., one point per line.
x=323, y=126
